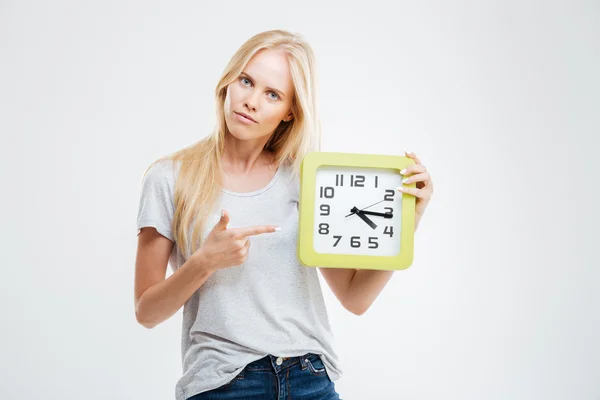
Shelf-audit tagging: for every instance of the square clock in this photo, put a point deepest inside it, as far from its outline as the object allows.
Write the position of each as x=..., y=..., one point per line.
x=351, y=215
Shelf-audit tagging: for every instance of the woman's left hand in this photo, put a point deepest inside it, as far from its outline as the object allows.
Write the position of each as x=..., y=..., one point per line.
x=424, y=187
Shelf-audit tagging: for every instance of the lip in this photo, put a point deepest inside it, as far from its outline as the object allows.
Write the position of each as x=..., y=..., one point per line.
x=245, y=117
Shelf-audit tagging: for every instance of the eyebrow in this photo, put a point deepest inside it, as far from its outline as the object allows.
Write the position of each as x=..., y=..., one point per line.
x=270, y=88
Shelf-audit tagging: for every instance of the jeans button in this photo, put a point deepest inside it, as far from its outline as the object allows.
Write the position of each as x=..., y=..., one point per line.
x=279, y=361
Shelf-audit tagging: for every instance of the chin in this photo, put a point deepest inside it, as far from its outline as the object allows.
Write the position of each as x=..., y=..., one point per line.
x=239, y=132
x=239, y=136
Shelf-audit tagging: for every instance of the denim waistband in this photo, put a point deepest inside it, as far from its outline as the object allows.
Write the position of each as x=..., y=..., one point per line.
x=271, y=362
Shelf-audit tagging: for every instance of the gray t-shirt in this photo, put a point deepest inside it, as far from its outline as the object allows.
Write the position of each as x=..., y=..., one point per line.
x=271, y=304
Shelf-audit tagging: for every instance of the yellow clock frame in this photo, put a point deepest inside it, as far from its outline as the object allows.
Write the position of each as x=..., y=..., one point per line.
x=305, y=247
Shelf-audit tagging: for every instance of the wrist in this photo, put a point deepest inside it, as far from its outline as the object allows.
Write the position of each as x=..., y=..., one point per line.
x=201, y=263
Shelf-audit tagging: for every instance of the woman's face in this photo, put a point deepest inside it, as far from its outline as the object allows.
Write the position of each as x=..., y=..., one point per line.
x=263, y=92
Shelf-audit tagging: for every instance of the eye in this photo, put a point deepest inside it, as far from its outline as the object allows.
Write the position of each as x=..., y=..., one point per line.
x=276, y=96
x=244, y=80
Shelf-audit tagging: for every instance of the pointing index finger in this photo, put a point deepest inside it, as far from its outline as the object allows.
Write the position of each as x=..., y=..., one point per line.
x=254, y=230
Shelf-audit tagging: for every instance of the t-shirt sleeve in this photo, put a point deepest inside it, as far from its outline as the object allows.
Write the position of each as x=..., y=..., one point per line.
x=156, y=207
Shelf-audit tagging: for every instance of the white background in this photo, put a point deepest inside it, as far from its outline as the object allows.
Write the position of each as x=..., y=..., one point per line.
x=499, y=99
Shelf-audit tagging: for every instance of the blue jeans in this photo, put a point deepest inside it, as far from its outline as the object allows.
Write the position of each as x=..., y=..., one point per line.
x=298, y=378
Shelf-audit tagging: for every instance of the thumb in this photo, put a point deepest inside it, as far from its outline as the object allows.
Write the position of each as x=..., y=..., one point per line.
x=222, y=224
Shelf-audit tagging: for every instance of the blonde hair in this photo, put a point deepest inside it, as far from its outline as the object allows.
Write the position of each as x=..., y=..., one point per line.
x=199, y=181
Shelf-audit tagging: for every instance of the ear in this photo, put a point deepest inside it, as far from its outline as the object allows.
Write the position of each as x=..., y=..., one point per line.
x=289, y=117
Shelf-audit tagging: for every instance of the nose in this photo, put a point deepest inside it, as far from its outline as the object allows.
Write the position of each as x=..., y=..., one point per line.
x=252, y=100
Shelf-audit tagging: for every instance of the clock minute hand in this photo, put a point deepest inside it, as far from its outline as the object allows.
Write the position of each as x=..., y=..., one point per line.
x=365, y=208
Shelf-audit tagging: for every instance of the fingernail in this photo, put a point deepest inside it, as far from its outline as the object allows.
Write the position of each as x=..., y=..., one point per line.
x=405, y=180
x=407, y=151
x=403, y=171
x=277, y=229
x=400, y=189
x=222, y=213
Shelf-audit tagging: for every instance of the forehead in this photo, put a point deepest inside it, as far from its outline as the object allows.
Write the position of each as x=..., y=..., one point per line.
x=270, y=67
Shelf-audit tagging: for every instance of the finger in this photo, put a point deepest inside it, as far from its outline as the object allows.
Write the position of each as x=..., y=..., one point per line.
x=242, y=242
x=247, y=246
x=222, y=224
x=423, y=177
x=413, y=169
x=242, y=251
x=254, y=230
x=413, y=156
x=411, y=191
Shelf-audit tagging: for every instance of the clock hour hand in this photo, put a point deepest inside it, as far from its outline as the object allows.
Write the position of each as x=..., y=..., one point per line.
x=378, y=214
x=363, y=217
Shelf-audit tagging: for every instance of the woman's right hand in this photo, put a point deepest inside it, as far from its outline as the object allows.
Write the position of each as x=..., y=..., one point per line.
x=224, y=248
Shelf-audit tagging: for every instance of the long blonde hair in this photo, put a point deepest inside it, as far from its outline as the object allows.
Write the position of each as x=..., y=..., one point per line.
x=199, y=181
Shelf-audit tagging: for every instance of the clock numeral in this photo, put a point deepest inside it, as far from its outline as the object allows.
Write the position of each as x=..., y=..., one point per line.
x=325, y=209
x=337, y=241
x=389, y=210
x=389, y=230
x=339, y=180
x=327, y=192
x=373, y=241
x=376, y=180
x=389, y=195
x=358, y=182
x=354, y=241
x=324, y=228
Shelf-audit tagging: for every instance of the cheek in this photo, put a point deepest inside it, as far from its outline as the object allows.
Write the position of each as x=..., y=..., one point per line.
x=231, y=97
x=276, y=114
x=227, y=103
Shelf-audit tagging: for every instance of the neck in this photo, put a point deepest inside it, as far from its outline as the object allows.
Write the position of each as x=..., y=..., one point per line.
x=242, y=156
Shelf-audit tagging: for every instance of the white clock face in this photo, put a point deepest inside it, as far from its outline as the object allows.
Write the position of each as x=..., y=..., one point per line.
x=340, y=192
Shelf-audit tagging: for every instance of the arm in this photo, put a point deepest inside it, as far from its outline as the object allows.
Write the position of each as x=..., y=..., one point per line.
x=156, y=298
x=357, y=289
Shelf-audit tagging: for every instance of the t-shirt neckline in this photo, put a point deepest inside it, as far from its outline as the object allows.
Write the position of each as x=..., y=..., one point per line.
x=255, y=192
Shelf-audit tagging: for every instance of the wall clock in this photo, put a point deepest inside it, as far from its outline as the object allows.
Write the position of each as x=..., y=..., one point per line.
x=350, y=213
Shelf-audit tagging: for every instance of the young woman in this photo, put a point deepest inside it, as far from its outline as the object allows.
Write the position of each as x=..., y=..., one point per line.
x=224, y=213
